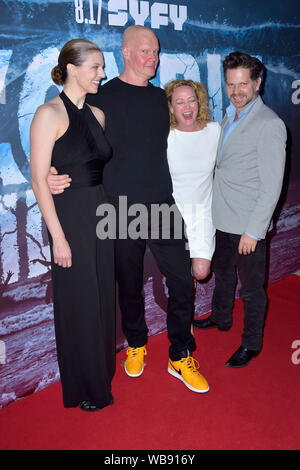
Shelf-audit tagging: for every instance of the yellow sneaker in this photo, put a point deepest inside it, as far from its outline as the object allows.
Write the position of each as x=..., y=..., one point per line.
x=134, y=364
x=186, y=371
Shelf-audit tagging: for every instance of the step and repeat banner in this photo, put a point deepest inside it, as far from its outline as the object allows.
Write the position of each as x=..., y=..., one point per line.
x=195, y=36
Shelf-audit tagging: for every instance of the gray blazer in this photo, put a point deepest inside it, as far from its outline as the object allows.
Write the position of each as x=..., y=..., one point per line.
x=249, y=173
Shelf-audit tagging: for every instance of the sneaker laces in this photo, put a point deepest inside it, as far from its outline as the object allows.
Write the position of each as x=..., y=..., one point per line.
x=134, y=351
x=191, y=364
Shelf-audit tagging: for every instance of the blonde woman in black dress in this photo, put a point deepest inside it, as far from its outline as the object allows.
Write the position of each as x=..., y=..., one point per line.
x=68, y=134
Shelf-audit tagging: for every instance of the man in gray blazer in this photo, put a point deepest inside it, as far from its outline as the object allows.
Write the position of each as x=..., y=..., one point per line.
x=247, y=185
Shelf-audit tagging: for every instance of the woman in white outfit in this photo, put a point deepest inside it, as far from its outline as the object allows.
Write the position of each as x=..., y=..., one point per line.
x=192, y=148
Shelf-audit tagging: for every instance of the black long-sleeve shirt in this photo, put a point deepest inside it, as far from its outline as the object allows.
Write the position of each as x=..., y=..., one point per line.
x=137, y=127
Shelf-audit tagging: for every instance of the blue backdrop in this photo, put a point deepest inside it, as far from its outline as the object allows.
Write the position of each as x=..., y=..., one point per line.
x=195, y=36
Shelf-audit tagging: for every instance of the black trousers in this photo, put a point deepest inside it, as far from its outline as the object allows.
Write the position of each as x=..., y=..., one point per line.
x=251, y=270
x=173, y=261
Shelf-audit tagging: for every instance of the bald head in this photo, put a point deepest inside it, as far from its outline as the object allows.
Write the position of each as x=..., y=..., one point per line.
x=134, y=33
x=140, y=51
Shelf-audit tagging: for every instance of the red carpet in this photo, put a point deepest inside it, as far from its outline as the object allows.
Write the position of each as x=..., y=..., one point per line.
x=257, y=407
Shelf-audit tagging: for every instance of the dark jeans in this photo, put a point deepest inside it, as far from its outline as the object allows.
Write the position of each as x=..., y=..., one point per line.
x=174, y=263
x=251, y=271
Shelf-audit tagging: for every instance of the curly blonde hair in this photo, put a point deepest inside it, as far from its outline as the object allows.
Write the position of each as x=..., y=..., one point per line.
x=203, y=116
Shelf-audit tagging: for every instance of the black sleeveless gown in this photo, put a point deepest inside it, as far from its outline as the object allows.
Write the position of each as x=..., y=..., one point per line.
x=84, y=295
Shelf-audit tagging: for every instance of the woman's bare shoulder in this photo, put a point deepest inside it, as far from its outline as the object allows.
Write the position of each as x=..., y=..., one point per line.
x=53, y=108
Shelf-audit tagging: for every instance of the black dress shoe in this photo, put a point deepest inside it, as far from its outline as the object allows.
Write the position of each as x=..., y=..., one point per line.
x=241, y=357
x=207, y=324
x=86, y=405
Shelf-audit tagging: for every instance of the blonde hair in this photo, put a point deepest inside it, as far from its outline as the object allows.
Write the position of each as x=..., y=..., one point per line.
x=73, y=52
x=203, y=116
